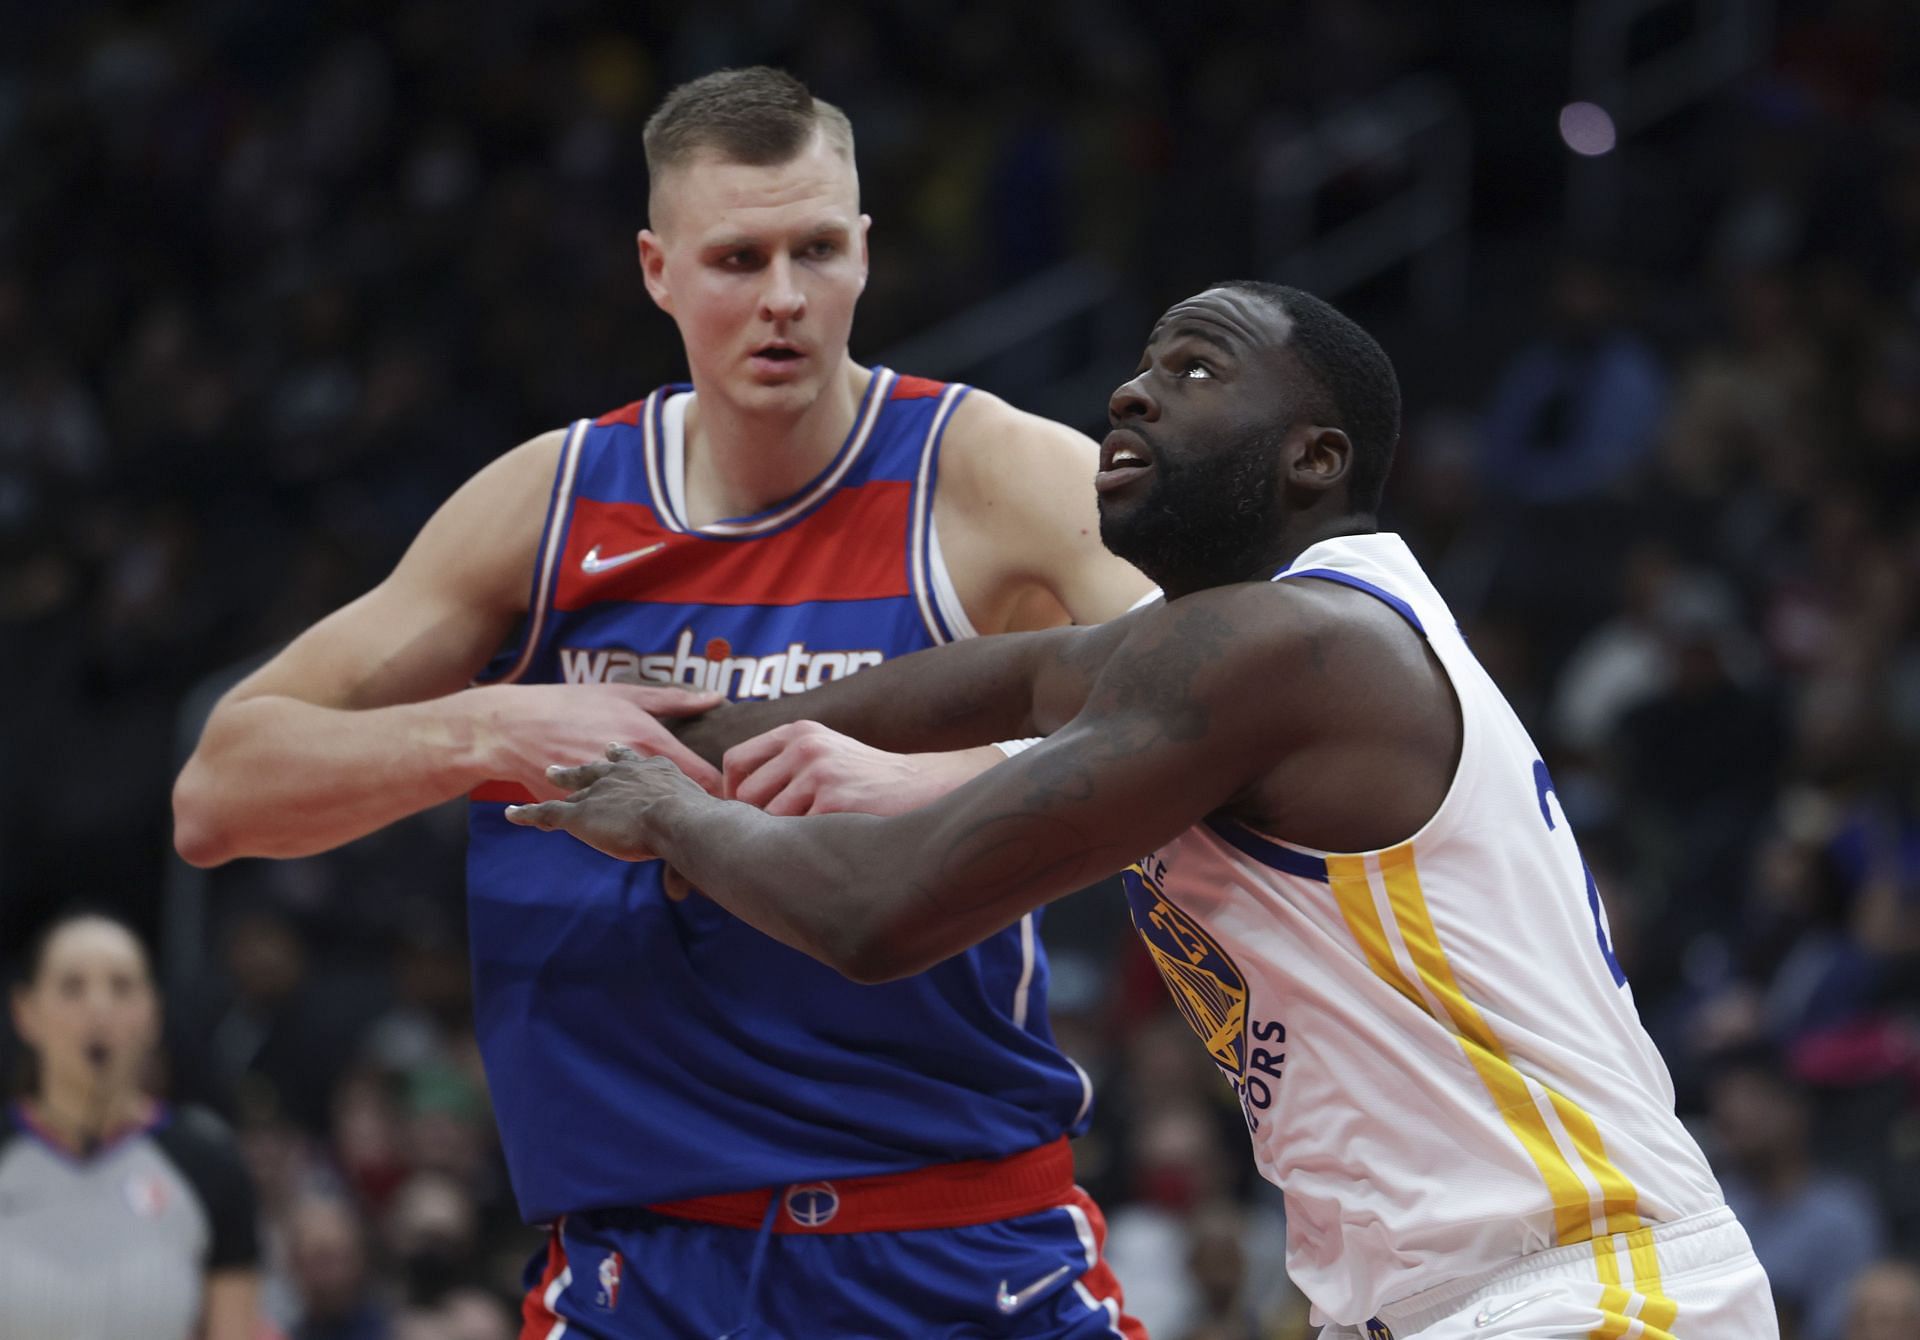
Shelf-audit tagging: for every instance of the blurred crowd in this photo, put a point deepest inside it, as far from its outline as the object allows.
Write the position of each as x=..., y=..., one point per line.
x=273, y=281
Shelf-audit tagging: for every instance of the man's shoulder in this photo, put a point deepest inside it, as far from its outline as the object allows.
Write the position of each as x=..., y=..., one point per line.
x=993, y=449
x=1255, y=625
x=1264, y=611
x=983, y=415
x=1314, y=636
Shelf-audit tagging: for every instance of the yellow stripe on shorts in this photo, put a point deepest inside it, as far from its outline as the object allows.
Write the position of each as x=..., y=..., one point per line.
x=1660, y=1310
x=1653, y=1319
x=1614, y=1301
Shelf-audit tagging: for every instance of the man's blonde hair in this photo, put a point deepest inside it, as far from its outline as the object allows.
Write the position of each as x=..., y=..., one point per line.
x=758, y=116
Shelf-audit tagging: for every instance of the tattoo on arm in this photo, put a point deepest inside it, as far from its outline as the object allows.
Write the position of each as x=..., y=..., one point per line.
x=1144, y=697
x=1157, y=738
x=1149, y=689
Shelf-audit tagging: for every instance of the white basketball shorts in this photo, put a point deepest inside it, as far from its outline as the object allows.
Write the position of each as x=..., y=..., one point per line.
x=1710, y=1288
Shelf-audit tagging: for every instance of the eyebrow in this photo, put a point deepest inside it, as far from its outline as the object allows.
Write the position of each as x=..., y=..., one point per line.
x=746, y=242
x=1192, y=330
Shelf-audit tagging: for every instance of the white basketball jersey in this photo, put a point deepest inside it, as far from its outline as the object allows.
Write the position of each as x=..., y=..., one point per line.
x=1438, y=1060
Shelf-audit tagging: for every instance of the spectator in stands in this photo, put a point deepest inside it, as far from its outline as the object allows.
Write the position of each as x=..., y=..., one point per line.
x=466, y=1314
x=276, y=1023
x=1579, y=408
x=1884, y=1303
x=1814, y=1232
x=432, y=1232
x=338, y=1297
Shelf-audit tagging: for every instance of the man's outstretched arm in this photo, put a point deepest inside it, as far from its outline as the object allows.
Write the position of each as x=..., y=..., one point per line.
x=952, y=697
x=367, y=717
x=1181, y=717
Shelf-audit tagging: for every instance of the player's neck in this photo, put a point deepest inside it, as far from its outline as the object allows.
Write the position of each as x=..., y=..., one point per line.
x=1304, y=530
x=81, y=1118
x=739, y=461
x=1276, y=553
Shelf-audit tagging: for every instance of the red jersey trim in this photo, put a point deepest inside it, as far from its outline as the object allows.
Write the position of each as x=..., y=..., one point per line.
x=538, y=1319
x=916, y=388
x=501, y=793
x=622, y=551
x=626, y=414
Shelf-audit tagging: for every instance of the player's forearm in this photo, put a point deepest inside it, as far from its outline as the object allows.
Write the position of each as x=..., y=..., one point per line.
x=877, y=898
x=799, y=881
x=954, y=697
x=274, y=776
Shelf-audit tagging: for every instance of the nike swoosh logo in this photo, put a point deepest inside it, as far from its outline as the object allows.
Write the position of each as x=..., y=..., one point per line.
x=593, y=563
x=1487, y=1318
x=1010, y=1303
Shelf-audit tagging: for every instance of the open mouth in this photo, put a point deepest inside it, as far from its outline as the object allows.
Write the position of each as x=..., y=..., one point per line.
x=1124, y=457
x=774, y=356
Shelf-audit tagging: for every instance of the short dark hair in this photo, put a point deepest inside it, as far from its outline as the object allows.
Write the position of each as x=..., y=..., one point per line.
x=1354, y=374
x=27, y=970
x=758, y=116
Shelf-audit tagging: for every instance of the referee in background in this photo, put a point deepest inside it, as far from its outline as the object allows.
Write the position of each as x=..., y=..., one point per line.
x=120, y=1219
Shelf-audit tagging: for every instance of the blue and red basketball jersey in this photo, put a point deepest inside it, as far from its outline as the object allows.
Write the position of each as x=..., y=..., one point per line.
x=641, y=1050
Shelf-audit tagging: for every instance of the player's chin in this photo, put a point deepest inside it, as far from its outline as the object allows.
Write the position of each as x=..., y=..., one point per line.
x=1126, y=524
x=1119, y=506
x=791, y=386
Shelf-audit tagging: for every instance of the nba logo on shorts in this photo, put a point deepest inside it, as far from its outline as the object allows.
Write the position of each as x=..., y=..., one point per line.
x=1377, y=1329
x=609, y=1295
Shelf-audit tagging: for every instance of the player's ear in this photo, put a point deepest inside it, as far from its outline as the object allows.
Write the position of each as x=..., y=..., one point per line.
x=1319, y=457
x=653, y=269
x=866, y=224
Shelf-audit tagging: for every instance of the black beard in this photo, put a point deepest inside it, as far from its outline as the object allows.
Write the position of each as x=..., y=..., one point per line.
x=1203, y=523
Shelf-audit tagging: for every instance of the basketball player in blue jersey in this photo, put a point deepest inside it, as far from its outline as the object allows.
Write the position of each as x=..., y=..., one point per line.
x=727, y=1137
x=1340, y=848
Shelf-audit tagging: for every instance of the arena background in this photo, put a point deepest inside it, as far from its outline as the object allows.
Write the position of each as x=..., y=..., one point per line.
x=275, y=278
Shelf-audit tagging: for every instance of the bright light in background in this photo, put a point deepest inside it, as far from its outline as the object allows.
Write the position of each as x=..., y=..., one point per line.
x=1587, y=128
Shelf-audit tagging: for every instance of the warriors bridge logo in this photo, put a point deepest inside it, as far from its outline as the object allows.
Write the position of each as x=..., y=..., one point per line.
x=1208, y=989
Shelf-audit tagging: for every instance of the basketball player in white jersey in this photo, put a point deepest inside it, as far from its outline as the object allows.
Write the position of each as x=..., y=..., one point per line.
x=1361, y=890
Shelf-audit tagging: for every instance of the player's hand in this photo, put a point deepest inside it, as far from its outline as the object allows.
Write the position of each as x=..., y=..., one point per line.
x=607, y=801
x=805, y=768
x=521, y=728
x=704, y=732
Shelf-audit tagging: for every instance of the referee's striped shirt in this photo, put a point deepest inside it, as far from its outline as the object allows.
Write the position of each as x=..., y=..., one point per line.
x=117, y=1244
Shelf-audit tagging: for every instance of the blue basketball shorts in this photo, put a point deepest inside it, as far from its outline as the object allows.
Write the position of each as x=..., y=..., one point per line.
x=625, y=1275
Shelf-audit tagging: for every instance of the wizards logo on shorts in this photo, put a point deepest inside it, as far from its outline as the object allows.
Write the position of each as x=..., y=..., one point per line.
x=1208, y=989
